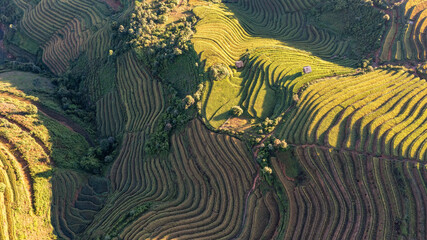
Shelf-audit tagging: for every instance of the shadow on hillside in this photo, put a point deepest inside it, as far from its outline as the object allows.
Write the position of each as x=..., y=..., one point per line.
x=221, y=117
x=258, y=29
x=77, y=198
x=73, y=197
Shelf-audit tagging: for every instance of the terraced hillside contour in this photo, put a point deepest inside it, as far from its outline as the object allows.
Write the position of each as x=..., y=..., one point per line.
x=406, y=37
x=148, y=192
x=274, y=67
x=29, y=143
x=360, y=138
x=197, y=192
x=63, y=29
x=76, y=199
x=381, y=113
x=354, y=196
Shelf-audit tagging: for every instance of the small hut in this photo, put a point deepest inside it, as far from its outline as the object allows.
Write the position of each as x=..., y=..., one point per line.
x=239, y=64
x=306, y=69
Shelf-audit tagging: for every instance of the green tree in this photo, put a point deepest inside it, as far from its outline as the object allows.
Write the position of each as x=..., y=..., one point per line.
x=236, y=111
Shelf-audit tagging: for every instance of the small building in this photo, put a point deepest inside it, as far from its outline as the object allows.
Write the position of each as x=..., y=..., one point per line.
x=239, y=64
x=410, y=22
x=306, y=69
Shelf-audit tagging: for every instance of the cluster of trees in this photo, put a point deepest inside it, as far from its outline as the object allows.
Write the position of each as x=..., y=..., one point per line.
x=97, y=156
x=73, y=94
x=385, y=4
x=268, y=125
x=266, y=149
x=26, y=67
x=72, y=97
x=177, y=114
x=156, y=42
x=9, y=13
x=363, y=24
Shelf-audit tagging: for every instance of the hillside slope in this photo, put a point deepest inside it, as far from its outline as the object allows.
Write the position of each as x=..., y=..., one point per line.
x=335, y=153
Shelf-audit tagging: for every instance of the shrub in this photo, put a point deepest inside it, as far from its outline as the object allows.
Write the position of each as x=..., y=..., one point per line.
x=31, y=109
x=386, y=17
x=267, y=170
x=189, y=101
x=295, y=97
x=236, y=111
x=90, y=164
x=218, y=72
x=108, y=159
x=283, y=145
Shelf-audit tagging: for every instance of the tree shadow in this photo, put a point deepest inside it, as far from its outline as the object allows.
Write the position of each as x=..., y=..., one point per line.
x=221, y=117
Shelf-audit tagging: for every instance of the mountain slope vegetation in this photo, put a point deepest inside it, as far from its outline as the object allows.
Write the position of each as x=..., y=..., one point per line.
x=194, y=119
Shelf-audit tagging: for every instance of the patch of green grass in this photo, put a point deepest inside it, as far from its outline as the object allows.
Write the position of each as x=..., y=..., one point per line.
x=25, y=43
x=222, y=98
x=68, y=147
x=292, y=166
x=27, y=82
x=33, y=85
x=183, y=73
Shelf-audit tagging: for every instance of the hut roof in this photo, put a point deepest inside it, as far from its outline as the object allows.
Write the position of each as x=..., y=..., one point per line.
x=306, y=69
x=239, y=64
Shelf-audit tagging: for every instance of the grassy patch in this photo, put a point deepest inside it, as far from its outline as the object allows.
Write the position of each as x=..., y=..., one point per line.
x=292, y=166
x=32, y=145
x=68, y=147
x=25, y=43
x=184, y=73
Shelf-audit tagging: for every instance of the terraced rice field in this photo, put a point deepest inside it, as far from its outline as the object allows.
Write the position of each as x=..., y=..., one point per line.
x=273, y=70
x=354, y=196
x=65, y=29
x=141, y=95
x=43, y=20
x=64, y=47
x=381, y=113
x=360, y=138
x=75, y=202
x=110, y=115
x=28, y=141
x=196, y=192
x=407, y=33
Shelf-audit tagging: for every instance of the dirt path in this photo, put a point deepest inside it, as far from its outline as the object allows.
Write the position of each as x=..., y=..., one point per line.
x=254, y=185
x=283, y=169
x=70, y=124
